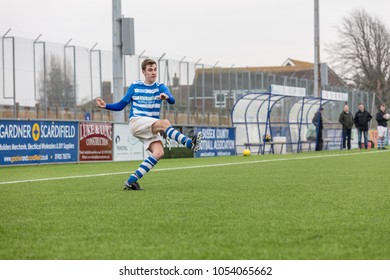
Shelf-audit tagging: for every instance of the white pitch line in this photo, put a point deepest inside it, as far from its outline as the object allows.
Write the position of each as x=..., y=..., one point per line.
x=192, y=167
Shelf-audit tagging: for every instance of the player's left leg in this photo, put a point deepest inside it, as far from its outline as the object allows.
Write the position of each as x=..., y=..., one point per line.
x=157, y=150
x=382, y=131
x=379, y=143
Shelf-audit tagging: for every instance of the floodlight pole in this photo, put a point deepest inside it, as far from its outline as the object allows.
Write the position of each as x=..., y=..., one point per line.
x=117, y=57
x=317, y=74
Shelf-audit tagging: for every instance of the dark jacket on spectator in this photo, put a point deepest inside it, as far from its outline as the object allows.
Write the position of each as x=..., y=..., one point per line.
x=362, y=119
x=346, y=119
x=380, y=119
x=315, y=120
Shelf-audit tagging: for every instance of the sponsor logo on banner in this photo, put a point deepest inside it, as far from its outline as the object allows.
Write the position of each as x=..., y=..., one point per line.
x=126, y=146
x=335, y=138
x=32, y=142
x=95, y=141
x=217, y=142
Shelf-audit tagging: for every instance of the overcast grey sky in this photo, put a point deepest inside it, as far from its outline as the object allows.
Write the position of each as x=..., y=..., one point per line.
x=244, y=32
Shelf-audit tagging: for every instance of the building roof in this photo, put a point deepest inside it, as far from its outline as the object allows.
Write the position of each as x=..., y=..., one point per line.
x=290, y=68
x=290, y=65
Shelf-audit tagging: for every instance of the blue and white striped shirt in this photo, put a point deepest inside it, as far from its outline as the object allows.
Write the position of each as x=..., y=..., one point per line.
x=144, y=99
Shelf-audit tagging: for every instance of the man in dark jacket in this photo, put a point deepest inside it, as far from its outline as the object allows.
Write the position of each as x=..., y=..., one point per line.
x=362, y=118
x=346, y=119
x=381, y=118
x=317, y=121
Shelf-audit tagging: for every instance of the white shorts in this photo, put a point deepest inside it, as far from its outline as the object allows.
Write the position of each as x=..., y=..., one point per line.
x=382, y=131
x=141, y=128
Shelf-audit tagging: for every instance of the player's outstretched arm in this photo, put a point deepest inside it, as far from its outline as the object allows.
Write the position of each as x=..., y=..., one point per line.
x=119, y=106
x=100, y=103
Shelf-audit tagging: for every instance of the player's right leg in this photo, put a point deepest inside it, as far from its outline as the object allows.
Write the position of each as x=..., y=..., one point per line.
x=141, y=128
x=165, y=126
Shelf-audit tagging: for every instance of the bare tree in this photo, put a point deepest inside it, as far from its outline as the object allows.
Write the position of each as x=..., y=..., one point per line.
x=362, y=53
x=59, y=87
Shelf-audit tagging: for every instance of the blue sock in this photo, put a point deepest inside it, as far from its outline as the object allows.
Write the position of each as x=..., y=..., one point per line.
x=178, y=137
x=144, y=168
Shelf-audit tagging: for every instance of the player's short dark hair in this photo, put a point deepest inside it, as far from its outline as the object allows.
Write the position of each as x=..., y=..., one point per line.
x=147, y=62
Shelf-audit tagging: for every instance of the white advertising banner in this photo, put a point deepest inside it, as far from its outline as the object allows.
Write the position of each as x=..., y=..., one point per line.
x=288, y=91
x=126, y=146
x=332, y=95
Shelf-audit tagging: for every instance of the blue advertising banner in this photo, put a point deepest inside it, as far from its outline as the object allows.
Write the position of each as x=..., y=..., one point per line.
x=334, y=135
x=217, y=141
x=33, y=142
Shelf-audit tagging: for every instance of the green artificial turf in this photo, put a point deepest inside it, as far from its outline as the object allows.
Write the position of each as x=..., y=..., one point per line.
x=324, y=205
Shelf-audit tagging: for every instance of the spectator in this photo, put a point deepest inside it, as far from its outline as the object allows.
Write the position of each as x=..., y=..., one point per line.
x=362, y=118
x=346, y=119
x=381, y=118
x=317, y=121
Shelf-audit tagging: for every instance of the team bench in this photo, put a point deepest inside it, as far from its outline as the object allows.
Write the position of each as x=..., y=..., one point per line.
x=325, y=141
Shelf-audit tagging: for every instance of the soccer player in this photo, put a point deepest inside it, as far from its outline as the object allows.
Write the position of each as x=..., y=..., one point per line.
x=145, y=98
x=382, y=127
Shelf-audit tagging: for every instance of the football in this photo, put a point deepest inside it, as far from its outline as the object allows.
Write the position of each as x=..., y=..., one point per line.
x=246, y=153
x=386, y=116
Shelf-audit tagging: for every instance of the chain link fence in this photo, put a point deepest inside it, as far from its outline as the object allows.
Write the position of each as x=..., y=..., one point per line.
x=48, y=80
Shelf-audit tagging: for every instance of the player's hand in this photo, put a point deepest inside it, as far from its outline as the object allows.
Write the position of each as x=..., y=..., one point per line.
x=100, y=103
x=163, y=96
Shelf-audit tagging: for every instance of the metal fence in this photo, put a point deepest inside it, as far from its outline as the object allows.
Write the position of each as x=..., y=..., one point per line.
x=40, y=79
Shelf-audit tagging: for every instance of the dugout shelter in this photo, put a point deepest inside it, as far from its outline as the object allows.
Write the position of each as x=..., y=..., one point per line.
x=277, y=121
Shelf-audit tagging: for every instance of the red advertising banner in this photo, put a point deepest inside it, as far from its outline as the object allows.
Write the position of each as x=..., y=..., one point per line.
x=373, y=136
x=95, y=141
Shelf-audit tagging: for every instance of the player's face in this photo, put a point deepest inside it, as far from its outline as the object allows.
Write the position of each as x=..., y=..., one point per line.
x=361, y=108
x=150, y=73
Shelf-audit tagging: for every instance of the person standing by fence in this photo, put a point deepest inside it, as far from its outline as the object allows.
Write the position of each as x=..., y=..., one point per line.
x=362, y=118
x=346, y=119
x=382, y=119
x=318, y=122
